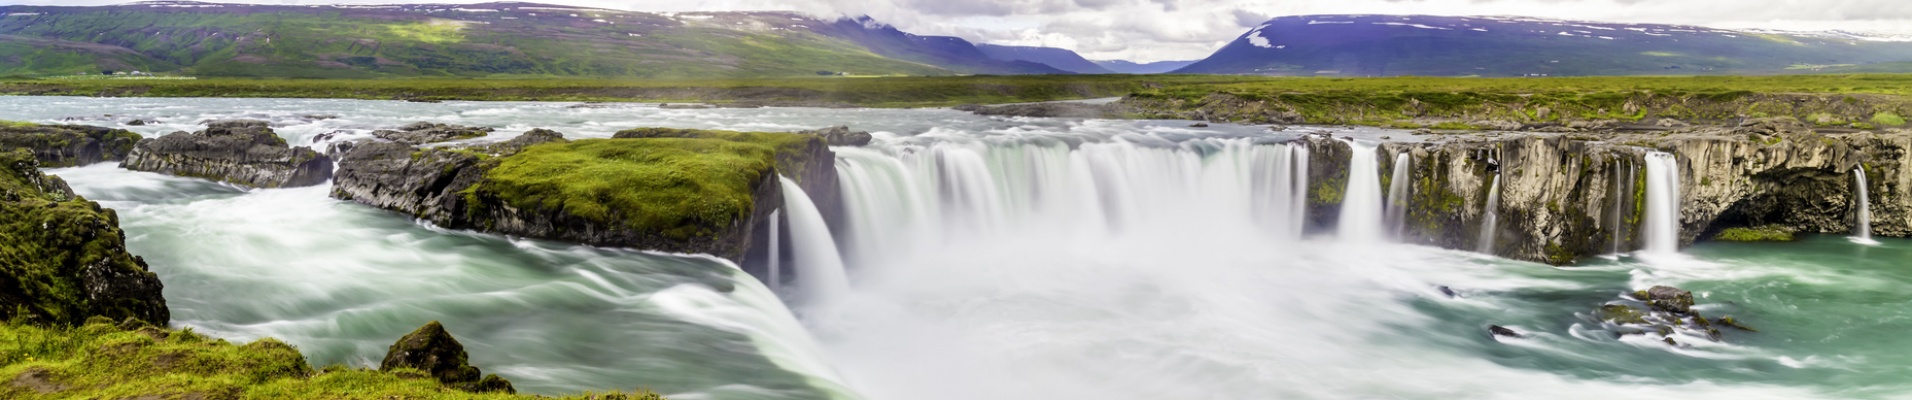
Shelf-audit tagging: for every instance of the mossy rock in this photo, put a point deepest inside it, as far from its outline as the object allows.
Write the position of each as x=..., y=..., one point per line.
x=63, y=259
x=58, y=146
x=1769, y=233
x=1621, y=314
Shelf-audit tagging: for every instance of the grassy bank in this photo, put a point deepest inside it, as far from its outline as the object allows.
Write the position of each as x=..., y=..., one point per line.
x=866, y=92
x=944, y=91
x=101, y=359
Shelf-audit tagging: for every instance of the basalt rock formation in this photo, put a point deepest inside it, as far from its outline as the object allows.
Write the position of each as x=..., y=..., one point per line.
x=432, y=350
x=243, y=152
x=425, y=132
x=1568, y=196
x=685, y=191
x=67, y=145
x=841, y=136
x=63, y=259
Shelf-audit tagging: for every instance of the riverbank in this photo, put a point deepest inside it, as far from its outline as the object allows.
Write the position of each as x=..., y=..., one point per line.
x=1401, y=102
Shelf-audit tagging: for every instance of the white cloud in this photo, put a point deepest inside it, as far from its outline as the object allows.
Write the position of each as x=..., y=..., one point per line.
x=1150, y=30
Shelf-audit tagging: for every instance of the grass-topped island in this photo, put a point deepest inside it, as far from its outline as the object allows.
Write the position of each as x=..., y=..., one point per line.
x=684, y=191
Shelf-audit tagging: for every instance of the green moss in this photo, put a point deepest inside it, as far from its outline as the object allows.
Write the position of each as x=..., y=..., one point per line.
x=102, y=360
x=1769, y=233
x=679, y=188
x=50, y=239
x=1621, y=314
x=1559, y=255
x=1887, y=119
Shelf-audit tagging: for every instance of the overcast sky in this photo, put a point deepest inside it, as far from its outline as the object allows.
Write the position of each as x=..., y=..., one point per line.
x=1153, y=30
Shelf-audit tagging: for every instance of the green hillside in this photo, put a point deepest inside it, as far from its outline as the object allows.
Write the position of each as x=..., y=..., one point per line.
x=498, y=39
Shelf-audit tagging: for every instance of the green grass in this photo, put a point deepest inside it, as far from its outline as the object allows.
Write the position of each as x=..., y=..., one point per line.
x=1755, y=234
x=100, y=359
x=1888, y=119
x=680, y=188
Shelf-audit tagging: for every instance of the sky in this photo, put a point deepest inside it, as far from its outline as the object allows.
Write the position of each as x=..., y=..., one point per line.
x=1157, y=30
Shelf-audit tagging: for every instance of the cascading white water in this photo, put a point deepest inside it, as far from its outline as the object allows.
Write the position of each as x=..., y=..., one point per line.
x=1361, y=205
x=1864, y=209
x=903, y=197
x=1619, y=194
x=1662, y=204
x=776, y=251
x=1397, y=197
x=1491, y=224
x=819, y=267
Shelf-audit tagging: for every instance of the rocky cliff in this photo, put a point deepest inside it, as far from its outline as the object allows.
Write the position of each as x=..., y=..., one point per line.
x=683, y=191
x=1568, y=196
x=67, y=145
x=241, y=152
x=63, y=259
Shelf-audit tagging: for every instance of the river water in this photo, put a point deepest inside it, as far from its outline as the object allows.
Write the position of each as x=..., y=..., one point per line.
x=1002, y=258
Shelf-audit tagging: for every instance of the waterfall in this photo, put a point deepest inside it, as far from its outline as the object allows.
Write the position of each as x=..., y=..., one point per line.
x=1361, y=200
x=1397, y=197
x=1619, y=195
x=776, y=252
x=907, y=197
x=1864, y=212
x=1489, y=225
x=820, y=269
x=1663, y=204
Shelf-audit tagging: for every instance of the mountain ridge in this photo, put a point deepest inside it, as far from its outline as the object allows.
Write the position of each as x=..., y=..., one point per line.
x=1394, y=45
x=468, y=40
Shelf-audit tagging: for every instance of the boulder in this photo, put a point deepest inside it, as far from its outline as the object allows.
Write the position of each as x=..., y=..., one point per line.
x=64, y=258
x=840, y=136
x=1668, y=299
x=432, y=350
x=242, y=152
x=58, y=146
x=425, y=132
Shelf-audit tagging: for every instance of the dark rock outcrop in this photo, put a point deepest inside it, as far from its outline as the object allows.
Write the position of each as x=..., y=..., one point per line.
x=425, y=132
x=243, y=152
x=841, y=136
x=67, y=145
x=432, y=350
x=64, y=258
x=445, y=185
x=1568, y=196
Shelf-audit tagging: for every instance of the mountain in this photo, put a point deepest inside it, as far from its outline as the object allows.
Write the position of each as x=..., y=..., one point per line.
x=1131, y=67
x=492, y=39
x=1062, y=59
x=951, y=52
x=1373, y=45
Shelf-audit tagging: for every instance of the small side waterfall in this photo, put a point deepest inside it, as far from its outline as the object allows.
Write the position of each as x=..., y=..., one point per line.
x=1361, y=201
x=1622, y=190
x=776, y=251
x=1864, y=212
x=1662, y=204
x=820, y=272
x=1397, y=197
x=1491, y=224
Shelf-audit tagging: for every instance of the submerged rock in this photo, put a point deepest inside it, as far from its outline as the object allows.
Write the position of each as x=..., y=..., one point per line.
x=63, y=258
x=840, y=136
x=243, y=152
x=432, y=350
x=1669, y=299
x=425, y=132
x=58, y=146
x=1498, y=330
